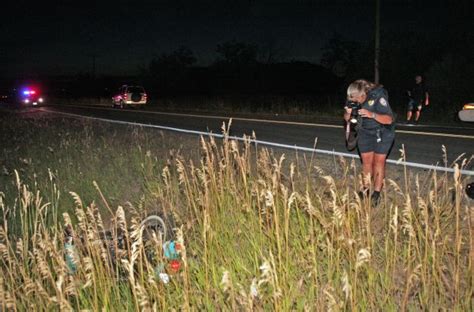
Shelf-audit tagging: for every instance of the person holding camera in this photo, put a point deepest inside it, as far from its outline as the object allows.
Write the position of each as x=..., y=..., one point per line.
x=375, y=131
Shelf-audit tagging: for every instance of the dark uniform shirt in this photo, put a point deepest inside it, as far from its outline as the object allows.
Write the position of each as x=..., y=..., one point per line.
x=377, y=102
x=418, y=92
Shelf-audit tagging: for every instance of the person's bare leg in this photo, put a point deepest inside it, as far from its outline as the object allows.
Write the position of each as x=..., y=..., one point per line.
x=379, y=171
x=367, y=168
x=417, y=115
x=409, y=115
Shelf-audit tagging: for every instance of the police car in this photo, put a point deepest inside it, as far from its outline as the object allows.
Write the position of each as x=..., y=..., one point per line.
x=29, y=96
x=467, y=113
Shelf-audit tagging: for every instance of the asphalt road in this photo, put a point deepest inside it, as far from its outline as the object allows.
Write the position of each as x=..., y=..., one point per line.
x=422, y=143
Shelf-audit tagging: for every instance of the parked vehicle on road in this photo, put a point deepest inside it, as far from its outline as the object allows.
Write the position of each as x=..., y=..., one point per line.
x=4, y=97
x=130, y=96
x=467, y=113
x=30, y=96
x=22, y=97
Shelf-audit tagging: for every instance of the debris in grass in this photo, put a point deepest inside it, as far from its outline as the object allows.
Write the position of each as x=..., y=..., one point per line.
x=165, y=278
x=170, y=249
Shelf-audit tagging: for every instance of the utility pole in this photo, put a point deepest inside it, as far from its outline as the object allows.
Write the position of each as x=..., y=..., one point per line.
x=377, y=41
x=94, y=56
x=93, y=65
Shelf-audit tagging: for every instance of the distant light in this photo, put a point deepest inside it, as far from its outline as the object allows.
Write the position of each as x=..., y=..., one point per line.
x=40, y=100
x=27, y=101
x=468, y=106
x=26, y=92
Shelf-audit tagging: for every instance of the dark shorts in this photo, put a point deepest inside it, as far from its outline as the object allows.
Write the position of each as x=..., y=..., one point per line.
x=414, y=106
x=378, y=140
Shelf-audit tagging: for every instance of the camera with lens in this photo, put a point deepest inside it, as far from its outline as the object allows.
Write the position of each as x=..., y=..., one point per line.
x=355, y=111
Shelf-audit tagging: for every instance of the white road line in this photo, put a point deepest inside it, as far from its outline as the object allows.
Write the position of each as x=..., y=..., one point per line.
x=458, y=136
x=286, y=146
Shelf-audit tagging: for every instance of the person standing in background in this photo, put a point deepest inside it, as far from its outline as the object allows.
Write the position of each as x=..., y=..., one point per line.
x=418, y=96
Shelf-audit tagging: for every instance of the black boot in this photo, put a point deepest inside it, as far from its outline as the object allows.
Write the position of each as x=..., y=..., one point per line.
x=375, y=198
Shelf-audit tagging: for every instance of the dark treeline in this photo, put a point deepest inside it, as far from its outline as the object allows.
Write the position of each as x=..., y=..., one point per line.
x=244, y=69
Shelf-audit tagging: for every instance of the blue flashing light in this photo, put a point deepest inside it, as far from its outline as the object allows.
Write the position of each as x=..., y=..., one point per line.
x=28, y=92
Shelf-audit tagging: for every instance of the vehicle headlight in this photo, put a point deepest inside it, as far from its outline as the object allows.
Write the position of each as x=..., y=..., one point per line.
x=470, y=190
x=468, y=106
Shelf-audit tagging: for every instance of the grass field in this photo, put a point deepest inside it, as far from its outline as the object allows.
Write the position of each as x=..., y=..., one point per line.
x=259, y=229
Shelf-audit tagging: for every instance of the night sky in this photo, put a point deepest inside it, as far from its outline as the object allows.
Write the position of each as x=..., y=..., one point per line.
x=51, y=38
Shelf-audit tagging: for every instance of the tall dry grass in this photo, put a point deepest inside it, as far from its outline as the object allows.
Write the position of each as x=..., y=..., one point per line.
x=259, y=232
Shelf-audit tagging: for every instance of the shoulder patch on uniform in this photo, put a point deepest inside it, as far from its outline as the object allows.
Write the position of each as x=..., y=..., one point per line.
x=371, y=102
x=383, y=101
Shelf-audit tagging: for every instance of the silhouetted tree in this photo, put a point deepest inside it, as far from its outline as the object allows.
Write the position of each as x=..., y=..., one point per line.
x=340, y=56
x=168, y=71
x=348, y=59
x=270, y=52
x=181, y=58
x=235, y=67
x=237, y=53
x=450, y=83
